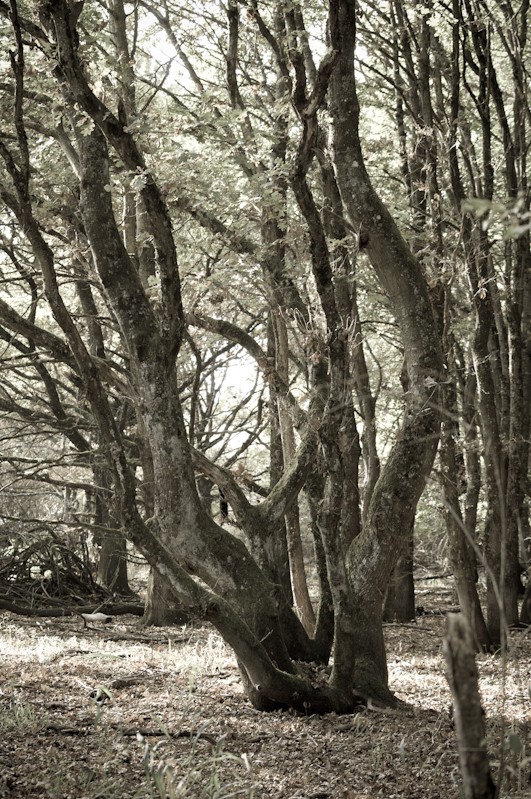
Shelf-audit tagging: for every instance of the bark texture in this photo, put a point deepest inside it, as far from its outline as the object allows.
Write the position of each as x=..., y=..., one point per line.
x=211, y=572
x=469, y=717
x=373, y=554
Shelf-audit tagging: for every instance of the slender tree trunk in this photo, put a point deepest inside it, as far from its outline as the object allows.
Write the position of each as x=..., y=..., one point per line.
x=469, y=717
x=463, y=567
x=344, y=266
x=299, y=583
x=472, y=466
x=460, y=543
x=525, y=613
x=276, y=545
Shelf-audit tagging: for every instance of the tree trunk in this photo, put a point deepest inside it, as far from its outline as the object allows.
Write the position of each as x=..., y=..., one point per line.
x=525, y=612
x=463, y=565
x=208, y=568
x=299, y=584
x=161, y=604
x=469, y=717
x=374, y=552
x=400, y=597
x=112, y=566
x=161, y=608
x=277, y=546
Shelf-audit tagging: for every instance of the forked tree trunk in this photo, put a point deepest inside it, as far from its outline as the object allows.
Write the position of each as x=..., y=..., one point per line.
x=390, y=515
x=209, y=569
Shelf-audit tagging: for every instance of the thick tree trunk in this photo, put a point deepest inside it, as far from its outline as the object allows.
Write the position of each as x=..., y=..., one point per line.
x=185, y=533
x=209, y=569
x=112, y=566
x=161, y=608
x=400, y=597
x=160, y=600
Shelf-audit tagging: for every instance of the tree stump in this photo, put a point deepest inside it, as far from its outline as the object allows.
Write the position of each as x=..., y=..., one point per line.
x=462, y=676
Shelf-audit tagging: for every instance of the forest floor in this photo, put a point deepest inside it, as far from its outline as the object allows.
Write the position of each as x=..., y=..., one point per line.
x=125, y=712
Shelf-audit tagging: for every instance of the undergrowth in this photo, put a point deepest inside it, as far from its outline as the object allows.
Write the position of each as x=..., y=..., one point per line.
x=197, y=776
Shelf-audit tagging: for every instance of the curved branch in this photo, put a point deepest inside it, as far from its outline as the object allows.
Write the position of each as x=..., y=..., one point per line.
x=40, y=337
x=401, y=276
x=227, y=482
x=239, y=336
x=70, y=73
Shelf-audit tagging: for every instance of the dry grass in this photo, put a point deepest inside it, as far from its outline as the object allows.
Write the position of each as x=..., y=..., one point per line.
x=68, y=730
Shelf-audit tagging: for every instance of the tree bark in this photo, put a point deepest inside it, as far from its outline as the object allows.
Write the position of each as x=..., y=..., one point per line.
x=525, y=612
x=469, y=717
x=299, y=584
x=210, y=570
x=112, y=566
x=400, y=597
x=161, y=608
x=460, y=549
x=373, y=553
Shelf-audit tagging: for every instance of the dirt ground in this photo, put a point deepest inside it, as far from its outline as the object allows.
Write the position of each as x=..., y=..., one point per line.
x=123, y=712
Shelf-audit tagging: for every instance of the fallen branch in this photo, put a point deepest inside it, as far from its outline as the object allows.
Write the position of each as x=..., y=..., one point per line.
x=59, y=612
x=416, y=627
x=146, y=639
x=62, y=730
x=132, y=732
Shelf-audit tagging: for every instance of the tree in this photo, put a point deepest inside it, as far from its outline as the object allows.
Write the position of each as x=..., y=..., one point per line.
x=269, y=245
x=445, y=71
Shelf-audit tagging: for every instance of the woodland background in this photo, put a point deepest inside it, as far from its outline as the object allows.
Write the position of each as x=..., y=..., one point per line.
x=264, y=317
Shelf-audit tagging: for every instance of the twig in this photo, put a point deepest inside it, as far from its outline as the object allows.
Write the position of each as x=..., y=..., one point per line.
x=146, y=733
